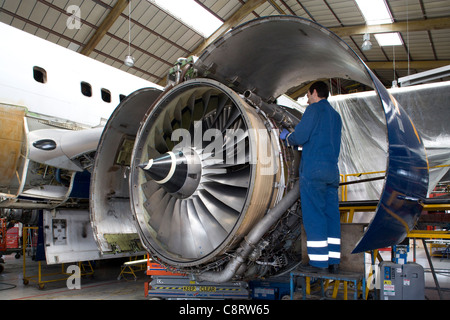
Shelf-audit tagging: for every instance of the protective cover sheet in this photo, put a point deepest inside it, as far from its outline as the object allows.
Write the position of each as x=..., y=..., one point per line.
x=365, y=151
x=364, y=144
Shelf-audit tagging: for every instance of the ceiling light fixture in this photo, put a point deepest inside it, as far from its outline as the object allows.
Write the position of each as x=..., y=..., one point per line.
x=367, y=45
x=129, y=60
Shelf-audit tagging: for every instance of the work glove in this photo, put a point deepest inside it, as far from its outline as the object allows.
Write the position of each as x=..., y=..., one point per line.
x=283, y=134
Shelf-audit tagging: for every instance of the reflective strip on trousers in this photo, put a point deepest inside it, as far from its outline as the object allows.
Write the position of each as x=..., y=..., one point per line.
x=318, y=257
x=334, y=241
x=317, y=244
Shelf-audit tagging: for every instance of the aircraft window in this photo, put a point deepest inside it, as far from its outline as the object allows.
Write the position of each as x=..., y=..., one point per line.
x=106, y=95
x=86, y=89
x=39, y=74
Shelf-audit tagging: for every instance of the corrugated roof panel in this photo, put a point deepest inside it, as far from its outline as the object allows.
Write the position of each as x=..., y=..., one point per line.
x=320, y=12
x=148, y=64
x=395, y=53
x=298, y=9
x=50, y=18
x=168, y=25
x=146, y=16
x=190, y=40
x=93, y=14
x=22, y=8
x=116, y=49
x=60, y=26
x=120, y=27
x=419, y=45
x=38, y=13
x=144, y=40
x=174, y=31
x=22, y=25
x=143, y=16
x=104, y=45
x=13, y=6
x=441, y=40
x=436, y=8
x=166, y=51
x=406, y=10
x=141, y=38
x=223, y=8
x=155, y=45
x=263, y=10
x=156, y=21
x=40, y=33
x=156, y=68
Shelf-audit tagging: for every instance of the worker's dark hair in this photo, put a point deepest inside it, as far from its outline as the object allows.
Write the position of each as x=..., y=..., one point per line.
x=321, y=88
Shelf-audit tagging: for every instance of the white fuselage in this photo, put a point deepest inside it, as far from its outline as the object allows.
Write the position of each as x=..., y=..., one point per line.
x=65, y=74
x=62, y=89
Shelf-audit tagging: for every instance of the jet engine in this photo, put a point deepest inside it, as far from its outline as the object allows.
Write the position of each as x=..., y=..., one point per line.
x=206, y=167
x=197, y=175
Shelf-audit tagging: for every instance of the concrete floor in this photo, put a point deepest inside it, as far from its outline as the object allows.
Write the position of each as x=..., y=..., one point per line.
x=104, y=284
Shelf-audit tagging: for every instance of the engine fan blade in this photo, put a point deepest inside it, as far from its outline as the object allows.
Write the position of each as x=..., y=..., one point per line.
x=239, y=178
x=149, y=188
x=201, y=239
x=164, y=231
x=223, y=214
x=188, y=245
x=157, y=209
x=223, y=99
x=176, y=240
x=233, y=197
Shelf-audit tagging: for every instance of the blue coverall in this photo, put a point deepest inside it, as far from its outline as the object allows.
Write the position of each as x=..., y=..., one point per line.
x=319, y=133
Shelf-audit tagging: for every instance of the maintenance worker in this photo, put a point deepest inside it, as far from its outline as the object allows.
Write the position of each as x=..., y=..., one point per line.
x=319, y=133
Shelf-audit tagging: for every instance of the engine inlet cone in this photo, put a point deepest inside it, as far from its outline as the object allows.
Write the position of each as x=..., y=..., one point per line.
x=169, y=170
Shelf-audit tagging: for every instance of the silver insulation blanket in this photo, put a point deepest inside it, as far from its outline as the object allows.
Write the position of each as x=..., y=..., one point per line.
x=364, y=141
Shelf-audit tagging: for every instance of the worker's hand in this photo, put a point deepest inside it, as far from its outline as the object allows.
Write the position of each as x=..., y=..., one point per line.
x=283, y=134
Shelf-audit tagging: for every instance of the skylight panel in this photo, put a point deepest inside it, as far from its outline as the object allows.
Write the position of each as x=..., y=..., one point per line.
x=375, y=11
x=192, y=14
x=389, y=39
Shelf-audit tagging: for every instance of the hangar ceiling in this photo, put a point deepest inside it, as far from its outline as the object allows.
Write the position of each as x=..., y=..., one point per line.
x=158, y=39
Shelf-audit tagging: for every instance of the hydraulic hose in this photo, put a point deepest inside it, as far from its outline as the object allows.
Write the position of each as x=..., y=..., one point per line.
x=253, y=237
